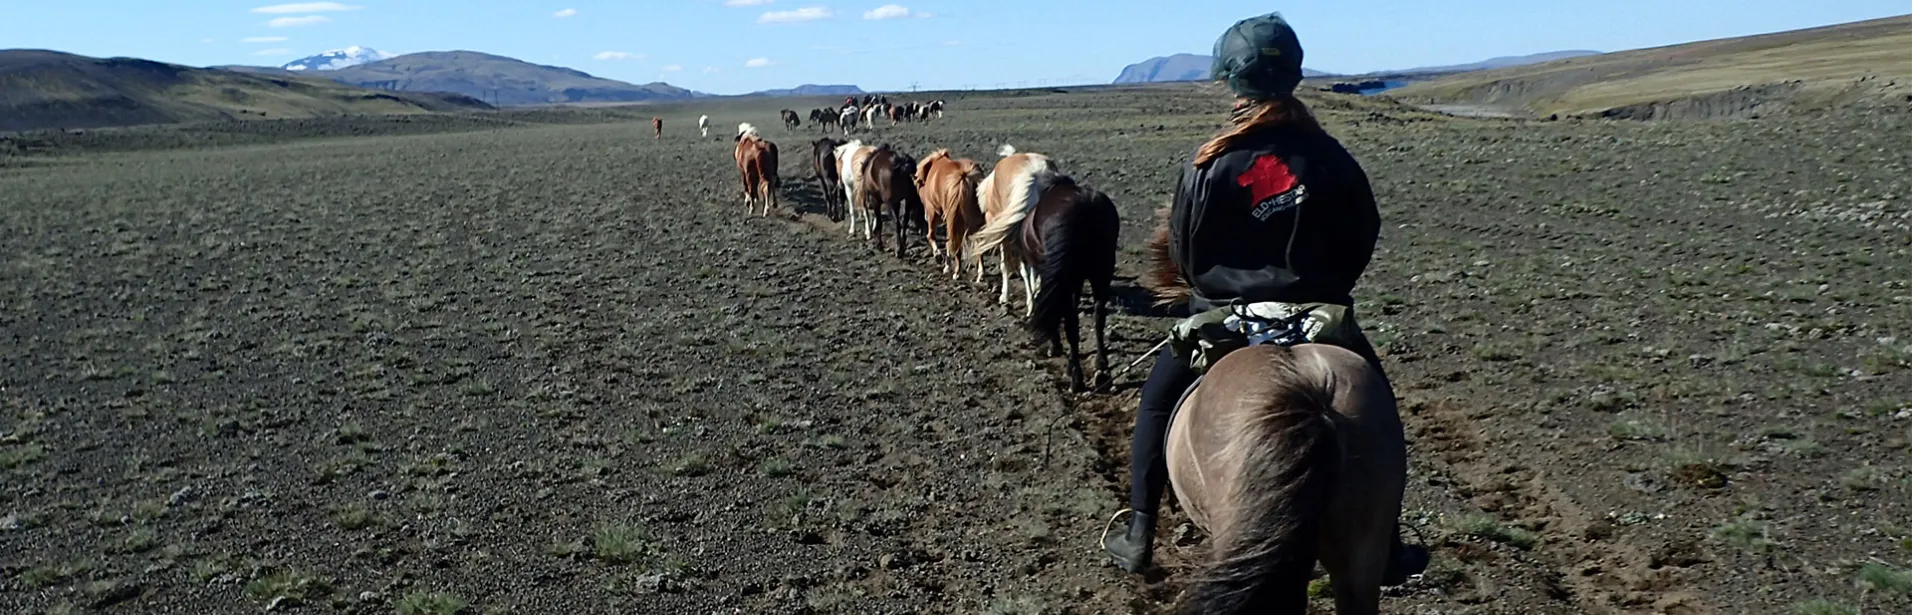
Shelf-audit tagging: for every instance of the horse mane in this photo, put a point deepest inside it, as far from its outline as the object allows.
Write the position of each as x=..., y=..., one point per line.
x=922, y=167
x=1262, y=551
x=745, y=130
x=1164, y=279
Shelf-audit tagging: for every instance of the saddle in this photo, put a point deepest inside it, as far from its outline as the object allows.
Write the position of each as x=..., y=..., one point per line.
x=1205, y=338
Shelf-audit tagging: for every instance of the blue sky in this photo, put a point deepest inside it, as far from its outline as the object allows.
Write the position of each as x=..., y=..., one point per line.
x=735, y=46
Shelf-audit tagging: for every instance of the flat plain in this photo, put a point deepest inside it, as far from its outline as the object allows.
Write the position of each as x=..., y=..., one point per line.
x=539, y=362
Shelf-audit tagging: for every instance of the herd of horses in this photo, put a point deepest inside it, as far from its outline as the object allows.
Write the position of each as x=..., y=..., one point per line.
x=1286, y=455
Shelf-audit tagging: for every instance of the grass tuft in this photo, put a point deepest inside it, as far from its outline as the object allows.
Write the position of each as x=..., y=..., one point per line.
x=418, y=602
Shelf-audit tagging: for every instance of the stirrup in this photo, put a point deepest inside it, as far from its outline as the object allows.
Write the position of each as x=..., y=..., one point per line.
x=1103, y=542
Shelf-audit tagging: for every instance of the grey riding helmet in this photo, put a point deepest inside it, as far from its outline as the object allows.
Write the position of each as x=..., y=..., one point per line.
x=1259, y=57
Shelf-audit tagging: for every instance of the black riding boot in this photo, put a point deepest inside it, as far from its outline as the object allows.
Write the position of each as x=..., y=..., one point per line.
x=1404, y=560
x=1133, y=548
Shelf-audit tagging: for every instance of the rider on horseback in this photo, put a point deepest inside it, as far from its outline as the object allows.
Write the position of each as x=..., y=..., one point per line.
x=1273, y=209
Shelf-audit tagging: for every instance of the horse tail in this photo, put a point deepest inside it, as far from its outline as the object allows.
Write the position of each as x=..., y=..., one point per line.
x=1291, y=456
x=1078, y=245
x=1164, y=279
x=1028, y=184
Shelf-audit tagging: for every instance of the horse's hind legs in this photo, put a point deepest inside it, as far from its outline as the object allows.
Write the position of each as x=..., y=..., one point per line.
x=1103, y=379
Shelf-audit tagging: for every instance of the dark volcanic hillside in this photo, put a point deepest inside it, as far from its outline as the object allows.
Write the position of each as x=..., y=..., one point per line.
x=49, y=89
x=502, y=80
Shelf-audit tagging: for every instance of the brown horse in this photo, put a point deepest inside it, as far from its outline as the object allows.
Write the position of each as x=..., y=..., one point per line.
x=757, y=163
x=948, y=188
x=887, y=182
x=657, y=128
x=829, y=178
x=790, y=119
x=1062, y=234
x=1285, y=456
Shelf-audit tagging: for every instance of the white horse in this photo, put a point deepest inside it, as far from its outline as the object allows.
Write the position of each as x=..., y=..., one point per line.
x=849, y=168
x=703, y=125
x=847, y=119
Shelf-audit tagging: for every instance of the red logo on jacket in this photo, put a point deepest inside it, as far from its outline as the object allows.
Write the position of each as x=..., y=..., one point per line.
x=1266, y=178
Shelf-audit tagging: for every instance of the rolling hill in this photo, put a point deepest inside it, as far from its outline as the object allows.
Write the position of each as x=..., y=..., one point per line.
x=49, y=89
x=1798, y=70
x=1178, y=67
x=501, y=80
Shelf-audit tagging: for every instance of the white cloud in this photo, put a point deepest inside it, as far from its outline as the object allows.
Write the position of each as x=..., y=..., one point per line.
x=305, y=7
x=272, y=52
x=808, y=13
x=264, y=39
x=757, y=63
x=747, y=2
x=565, y=13
x=924, y=14
x=673, y=68
x=713, y=69
x=287, y=22
x=617, y=55
x=887, y=11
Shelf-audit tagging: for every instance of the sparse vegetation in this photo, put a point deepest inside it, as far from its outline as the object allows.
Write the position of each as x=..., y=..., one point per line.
x=419, y=602
x=1745, y=534
x=1489, y=528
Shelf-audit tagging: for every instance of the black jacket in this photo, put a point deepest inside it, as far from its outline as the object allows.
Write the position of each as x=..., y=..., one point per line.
x=1286, y=216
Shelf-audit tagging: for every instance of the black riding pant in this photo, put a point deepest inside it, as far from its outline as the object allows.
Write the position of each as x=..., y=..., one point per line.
x=1148, y=465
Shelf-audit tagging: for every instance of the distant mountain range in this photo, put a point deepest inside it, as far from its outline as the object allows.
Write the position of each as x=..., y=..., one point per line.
x=1179, y=67
x=49, y=89
x=1192, y=67
x=338, y=58
x=1501, y=62
x=812, y=90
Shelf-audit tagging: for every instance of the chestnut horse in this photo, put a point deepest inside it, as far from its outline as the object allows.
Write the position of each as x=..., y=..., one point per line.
x=829, y=176
x=657, y=128
x=1284, y=455
x=757, y=163
x=888, y=182
x=1062, y=234
x=948, y=188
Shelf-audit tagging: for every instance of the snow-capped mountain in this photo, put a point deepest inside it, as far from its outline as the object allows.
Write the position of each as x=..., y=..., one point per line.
x=339, y=58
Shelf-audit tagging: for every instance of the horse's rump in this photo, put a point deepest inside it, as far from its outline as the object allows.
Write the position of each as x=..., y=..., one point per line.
x=1281, y=452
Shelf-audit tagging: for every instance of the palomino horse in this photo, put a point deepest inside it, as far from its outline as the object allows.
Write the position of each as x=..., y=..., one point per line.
x=850, y=160
x=948, y=188
x=888, y=182
x=757, y=163
x=703, y=125
x=828, y=174
x=1063, y=234
x=1285, y=455
x=657, y=128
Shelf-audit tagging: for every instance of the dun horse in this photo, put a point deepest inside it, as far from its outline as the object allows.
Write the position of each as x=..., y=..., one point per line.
x=888, y=182
x=1062, y=234
x=757, y=163
x=829, y=177
x=1285, y=456
x=948, y=188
